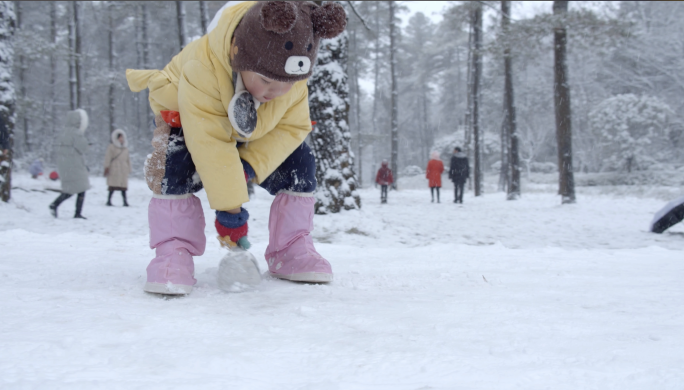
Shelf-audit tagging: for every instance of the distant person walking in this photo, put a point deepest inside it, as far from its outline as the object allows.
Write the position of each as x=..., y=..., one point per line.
x=433, y=173
x=70, y=150
x=459, y=171
x=117, y=166
x=384, y=178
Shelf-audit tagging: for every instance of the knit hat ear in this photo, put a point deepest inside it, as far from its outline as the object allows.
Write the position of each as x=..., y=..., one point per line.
x=278, y=16
x=328, y=20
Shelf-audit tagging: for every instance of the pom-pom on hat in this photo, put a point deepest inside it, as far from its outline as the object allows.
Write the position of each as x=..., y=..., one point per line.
x=279, y=39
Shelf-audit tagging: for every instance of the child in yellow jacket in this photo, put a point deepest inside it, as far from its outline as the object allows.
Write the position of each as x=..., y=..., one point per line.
x=231, y=107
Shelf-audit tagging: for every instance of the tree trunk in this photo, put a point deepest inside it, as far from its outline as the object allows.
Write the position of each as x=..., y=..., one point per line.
x=477, y=72
x=145, y=39
x=139, y=106
x=7, y=25
x=112, y=105
x=77, y=58
x=427, y=129
x=469, y=102
x=53, y=67
x=395, y=95
x=204, y=16
x=566, y=185
x=509, y=99
x=23, y=66
x=376, y=69
x=357, y=109
x=503, y=169
x=73, y=62
x=146, y=61
x=330, y=138
x=180, y=12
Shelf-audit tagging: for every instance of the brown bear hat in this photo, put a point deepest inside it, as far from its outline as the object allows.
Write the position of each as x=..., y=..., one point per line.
x=279, y=39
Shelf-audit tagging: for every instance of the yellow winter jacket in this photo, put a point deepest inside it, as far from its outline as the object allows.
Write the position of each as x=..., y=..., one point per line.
x=198, y=83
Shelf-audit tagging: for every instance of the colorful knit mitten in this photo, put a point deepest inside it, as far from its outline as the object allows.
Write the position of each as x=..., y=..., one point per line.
x=232, y=229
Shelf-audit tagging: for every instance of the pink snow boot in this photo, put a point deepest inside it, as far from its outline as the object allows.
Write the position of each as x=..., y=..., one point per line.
x=177, y=233
x=290, y=253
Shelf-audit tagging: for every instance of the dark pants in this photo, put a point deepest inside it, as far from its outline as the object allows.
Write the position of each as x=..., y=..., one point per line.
x=297, y=173
x=383, y=193
x=432, y=192
x=62, y=197
x=123, y=195
x=458, y=191
x=179, y=175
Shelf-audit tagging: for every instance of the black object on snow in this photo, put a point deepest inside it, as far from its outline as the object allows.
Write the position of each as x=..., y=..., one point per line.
x=670, y=215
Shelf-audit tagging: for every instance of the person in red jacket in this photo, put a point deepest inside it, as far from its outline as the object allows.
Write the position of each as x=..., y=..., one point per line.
x=433, y=173
x=384, y=178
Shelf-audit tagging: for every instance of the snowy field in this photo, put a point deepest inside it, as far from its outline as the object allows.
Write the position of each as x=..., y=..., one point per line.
x=488, y=295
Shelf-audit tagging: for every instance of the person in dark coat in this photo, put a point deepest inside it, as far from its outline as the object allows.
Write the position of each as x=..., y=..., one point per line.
x=384, y=178
x=459, y=171
x=70, y=150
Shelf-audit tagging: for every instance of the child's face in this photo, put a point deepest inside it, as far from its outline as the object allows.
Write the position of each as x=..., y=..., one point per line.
x=262, y=88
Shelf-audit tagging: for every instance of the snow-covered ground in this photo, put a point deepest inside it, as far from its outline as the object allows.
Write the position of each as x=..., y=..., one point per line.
x=489, y=295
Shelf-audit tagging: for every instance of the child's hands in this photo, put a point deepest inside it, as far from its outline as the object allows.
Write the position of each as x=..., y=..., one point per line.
x=232, y=228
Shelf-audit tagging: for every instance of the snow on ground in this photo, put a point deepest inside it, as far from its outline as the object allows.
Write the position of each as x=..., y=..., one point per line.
x=489, y=295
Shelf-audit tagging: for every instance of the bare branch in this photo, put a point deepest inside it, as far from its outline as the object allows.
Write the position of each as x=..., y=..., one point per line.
x=359, y=16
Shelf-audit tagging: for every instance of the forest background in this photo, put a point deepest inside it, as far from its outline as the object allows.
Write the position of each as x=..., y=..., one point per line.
x=625, y=63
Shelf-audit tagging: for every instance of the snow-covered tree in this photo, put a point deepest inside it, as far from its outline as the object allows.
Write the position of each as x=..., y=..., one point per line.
x=330, y=138
x=634, y=130
x=7, y=96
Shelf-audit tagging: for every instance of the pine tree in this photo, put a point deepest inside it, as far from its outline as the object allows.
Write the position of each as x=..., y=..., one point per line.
x=330, y=138
x=7, y=96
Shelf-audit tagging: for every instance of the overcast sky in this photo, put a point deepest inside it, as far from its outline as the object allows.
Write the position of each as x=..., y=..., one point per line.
x=521, y=9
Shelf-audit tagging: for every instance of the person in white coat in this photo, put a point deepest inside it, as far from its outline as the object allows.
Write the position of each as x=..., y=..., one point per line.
x=117, y=165
x=70, y=150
